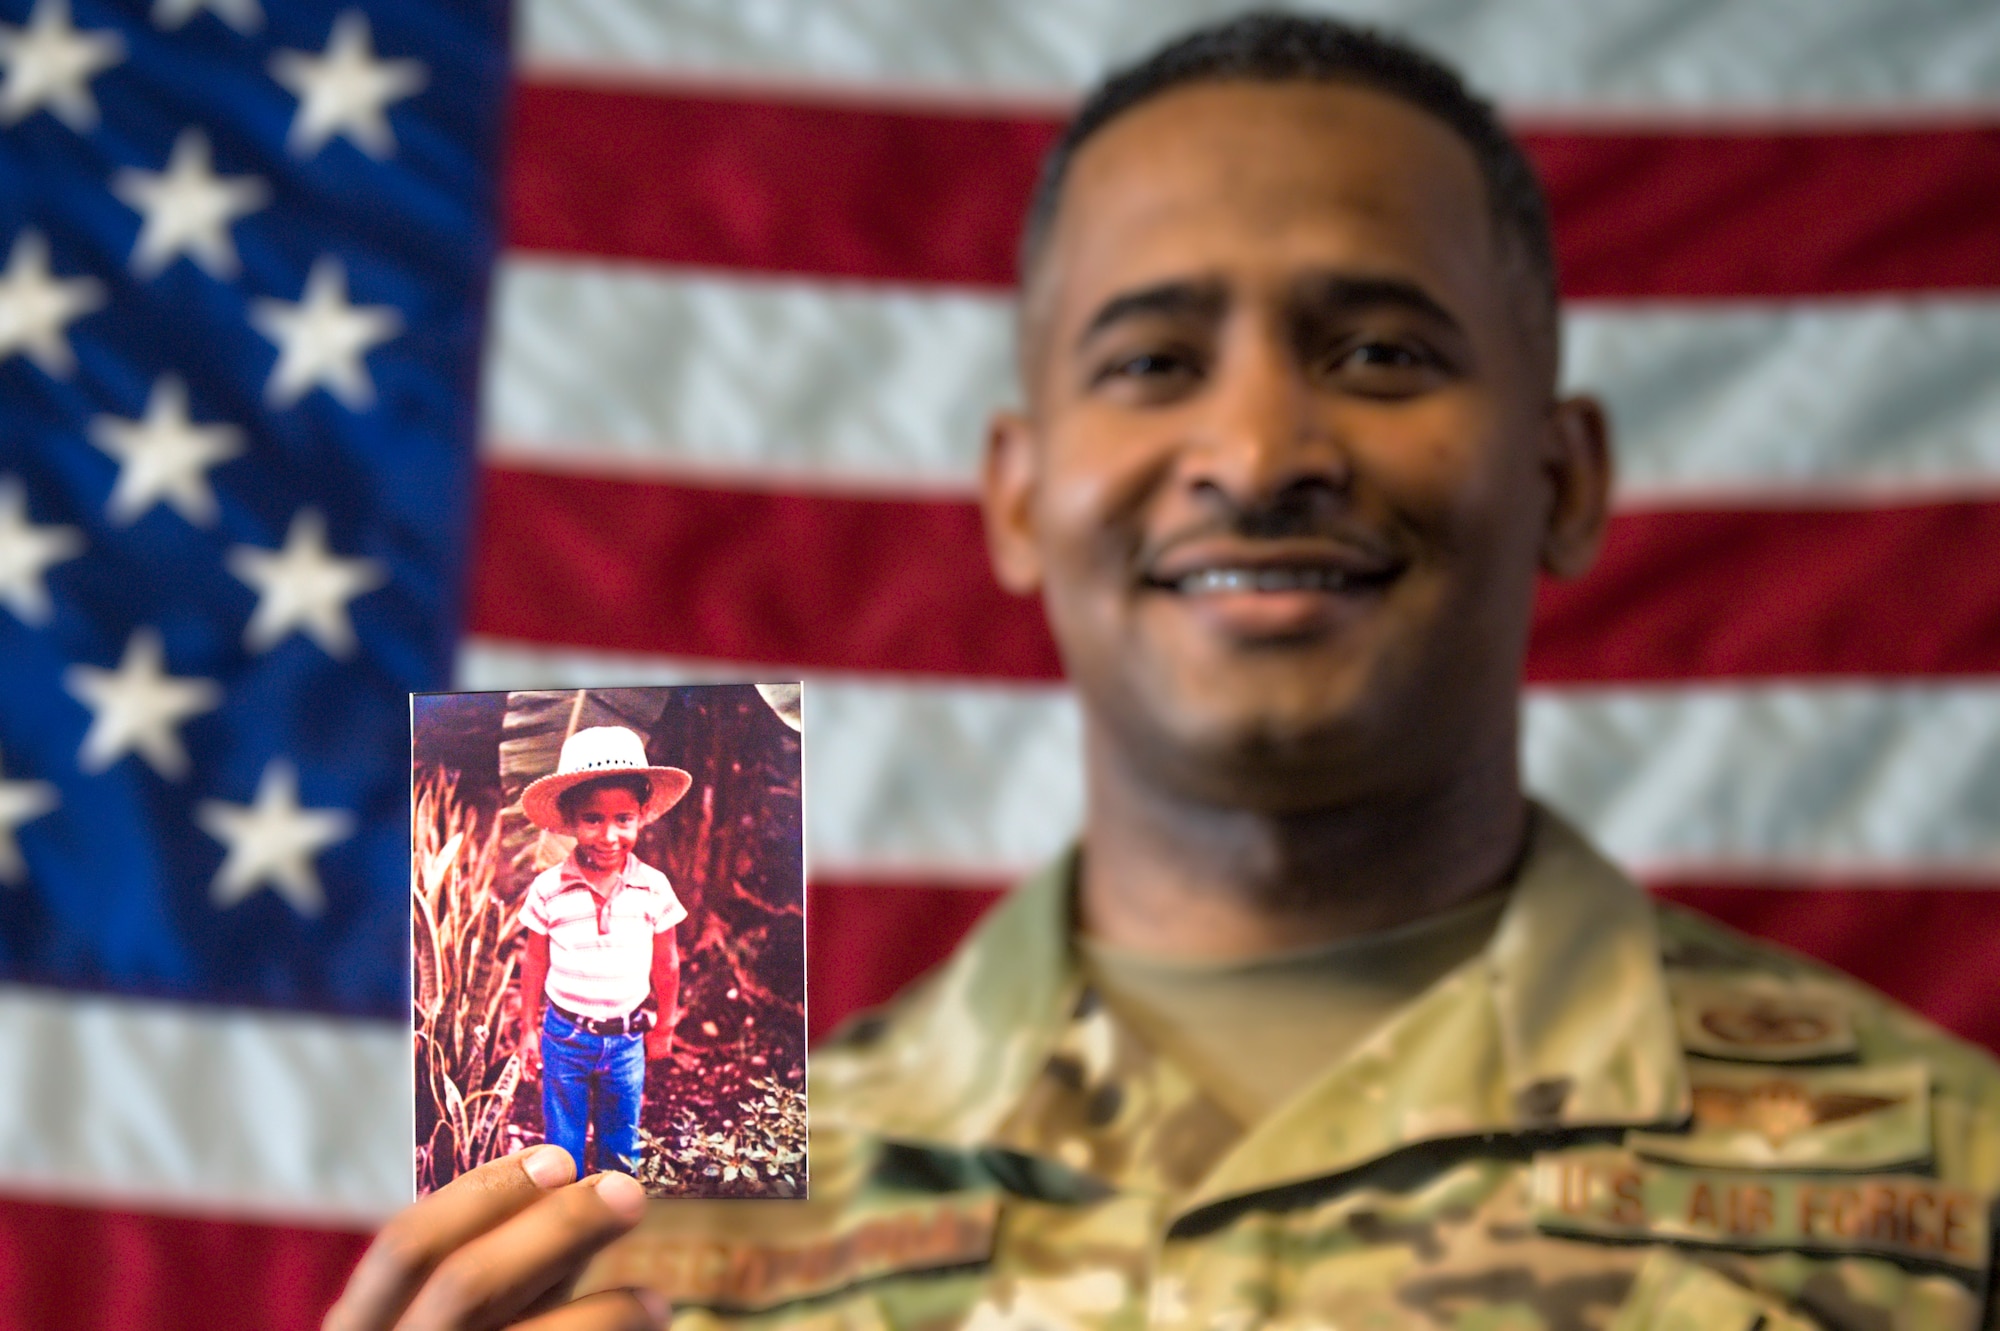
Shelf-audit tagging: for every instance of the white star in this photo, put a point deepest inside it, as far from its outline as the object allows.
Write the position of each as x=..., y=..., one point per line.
x=137, y=706
x=37, y=309
x=245, y=16
x=20, y=802
x=188, y=209
x=272, y=841
x=26, y=551
x=303, y=586
x=321, y=339
x=49, y=63
x=345, y=90
x=164, y=456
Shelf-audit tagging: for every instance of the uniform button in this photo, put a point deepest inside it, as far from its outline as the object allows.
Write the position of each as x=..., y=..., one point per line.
x=1168, y=1302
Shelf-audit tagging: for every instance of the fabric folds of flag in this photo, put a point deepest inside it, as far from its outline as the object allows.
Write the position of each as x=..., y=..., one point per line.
x=313, y=393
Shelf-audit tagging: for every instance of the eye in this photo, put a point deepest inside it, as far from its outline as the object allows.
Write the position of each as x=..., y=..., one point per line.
x=1383, y=366
x=1389, y=355
x=1146, y=365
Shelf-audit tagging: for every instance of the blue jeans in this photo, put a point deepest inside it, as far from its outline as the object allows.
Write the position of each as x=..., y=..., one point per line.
x=598, y=1080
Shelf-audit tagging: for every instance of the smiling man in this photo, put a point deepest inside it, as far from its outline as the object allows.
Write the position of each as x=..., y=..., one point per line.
x=1323, y=1022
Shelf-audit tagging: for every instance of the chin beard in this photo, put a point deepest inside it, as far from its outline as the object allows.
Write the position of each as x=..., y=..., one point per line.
x=1262, y=768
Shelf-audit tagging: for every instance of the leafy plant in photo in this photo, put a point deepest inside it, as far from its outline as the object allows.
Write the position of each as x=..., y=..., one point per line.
x=465, y=945
x=758, y=1152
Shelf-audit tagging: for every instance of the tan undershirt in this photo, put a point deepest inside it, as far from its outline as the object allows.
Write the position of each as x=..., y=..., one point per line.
x=1254, y=1033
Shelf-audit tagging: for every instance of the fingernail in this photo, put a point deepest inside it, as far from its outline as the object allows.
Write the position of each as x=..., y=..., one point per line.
x=655, y=1304
x=548, y=1166
x=622, y=1193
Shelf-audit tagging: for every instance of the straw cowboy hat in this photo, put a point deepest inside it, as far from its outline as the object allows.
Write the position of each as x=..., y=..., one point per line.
x=600, y=751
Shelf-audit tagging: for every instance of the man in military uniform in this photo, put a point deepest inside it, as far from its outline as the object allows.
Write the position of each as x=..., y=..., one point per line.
x=1323, y=1023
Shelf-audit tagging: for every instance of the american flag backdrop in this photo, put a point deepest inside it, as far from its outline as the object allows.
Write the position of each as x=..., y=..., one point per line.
x=350, y=349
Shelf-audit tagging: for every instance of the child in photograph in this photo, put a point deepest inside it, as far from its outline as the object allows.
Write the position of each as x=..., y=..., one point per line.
x=600, y=943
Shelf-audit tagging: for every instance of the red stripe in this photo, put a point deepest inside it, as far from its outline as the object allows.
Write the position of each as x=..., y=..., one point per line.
x=1931, y=948
x=868, y=940
x=837, y=190
x=83, y=1269
x=1755, y=593
x=834, y=582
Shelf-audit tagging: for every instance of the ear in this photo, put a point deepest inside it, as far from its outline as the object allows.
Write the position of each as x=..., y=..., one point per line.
x=1008, y=481
x=1578, y=464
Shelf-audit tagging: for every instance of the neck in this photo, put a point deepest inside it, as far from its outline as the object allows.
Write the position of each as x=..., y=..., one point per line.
x=1181, y=877
x=600, y=879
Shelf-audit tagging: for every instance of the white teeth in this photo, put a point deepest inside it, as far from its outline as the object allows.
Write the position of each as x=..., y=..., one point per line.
x=1211, y=580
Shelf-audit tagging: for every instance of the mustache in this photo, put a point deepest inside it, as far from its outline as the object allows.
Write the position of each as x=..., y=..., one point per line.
x=1296, y=513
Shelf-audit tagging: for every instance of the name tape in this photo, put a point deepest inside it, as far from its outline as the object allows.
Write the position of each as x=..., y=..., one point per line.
x=750, y=1274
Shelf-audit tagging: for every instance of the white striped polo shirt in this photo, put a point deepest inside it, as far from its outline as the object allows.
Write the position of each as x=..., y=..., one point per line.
x=600, y=948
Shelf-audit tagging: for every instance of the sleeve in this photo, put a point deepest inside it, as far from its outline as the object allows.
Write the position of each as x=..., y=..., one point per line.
x=535, y=906
x=670, y=911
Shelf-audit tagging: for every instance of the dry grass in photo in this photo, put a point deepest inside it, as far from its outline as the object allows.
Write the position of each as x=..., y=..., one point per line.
x=465, y=947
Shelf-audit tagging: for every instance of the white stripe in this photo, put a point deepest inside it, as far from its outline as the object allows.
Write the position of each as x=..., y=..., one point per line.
x=605, y=368
x=1637, y=54
x=160, y=1107
x=1841, y=400
x=982, y=780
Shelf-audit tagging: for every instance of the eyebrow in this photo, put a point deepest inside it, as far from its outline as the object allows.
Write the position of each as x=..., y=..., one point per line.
x=1339, y=295
x=1319, y=295
x=1201, y=300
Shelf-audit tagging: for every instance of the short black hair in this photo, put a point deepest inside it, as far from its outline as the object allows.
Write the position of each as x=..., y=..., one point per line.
x=637, y=784
x=1267, y=46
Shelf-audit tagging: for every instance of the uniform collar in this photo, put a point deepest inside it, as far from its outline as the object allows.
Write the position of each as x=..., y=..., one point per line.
x=572, y=876
x=948, y=1065
x=1562, y=1023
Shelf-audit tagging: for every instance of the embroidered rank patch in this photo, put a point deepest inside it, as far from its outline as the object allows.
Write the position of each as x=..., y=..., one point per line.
x=749, y=1275
x=1800, y=1118
x=1612, y=1193
x=1761, y=1019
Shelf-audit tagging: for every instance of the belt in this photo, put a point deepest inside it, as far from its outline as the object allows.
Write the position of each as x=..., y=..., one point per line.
x=635, y=1022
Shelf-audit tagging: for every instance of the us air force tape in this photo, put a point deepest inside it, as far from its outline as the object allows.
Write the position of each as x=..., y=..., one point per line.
x=1607, y=1192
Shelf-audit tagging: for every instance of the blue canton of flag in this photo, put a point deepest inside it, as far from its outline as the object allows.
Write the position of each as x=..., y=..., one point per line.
x=243, y=255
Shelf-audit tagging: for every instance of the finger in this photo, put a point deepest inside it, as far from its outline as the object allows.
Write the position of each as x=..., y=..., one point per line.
x=613, y=1310
x=411, y=1245
x=494, y=1278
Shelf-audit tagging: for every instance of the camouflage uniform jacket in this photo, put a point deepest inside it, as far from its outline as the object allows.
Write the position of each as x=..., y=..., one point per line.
x=1618, y=1115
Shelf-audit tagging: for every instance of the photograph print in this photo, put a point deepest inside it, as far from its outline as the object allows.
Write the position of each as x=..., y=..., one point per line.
x=607, y=898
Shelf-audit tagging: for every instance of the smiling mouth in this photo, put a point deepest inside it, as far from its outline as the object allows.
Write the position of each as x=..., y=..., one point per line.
x=1235, y=579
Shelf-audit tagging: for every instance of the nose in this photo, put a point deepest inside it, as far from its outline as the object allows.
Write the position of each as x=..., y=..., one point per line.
x=1262, y=439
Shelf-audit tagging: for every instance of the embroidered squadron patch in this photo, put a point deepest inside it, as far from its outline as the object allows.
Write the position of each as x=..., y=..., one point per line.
x=1800, y=1118
x=751, y=1275
x=1760, y=1019
x=1612, y=1193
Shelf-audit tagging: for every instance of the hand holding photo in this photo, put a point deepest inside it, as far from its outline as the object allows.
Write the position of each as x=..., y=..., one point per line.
x=608, y=932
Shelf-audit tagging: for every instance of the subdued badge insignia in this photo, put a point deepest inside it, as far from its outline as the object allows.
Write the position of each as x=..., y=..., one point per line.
x=1761, y=1019
x=1800, y=1118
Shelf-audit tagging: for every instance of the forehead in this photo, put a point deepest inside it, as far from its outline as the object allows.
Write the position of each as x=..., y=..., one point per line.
x=1249, y=180
x=607, y=799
